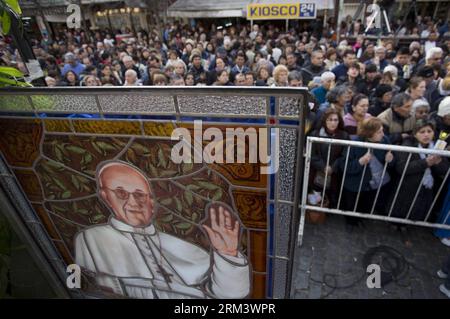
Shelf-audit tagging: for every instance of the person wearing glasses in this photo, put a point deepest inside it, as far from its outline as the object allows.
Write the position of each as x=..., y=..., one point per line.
x=130, y=257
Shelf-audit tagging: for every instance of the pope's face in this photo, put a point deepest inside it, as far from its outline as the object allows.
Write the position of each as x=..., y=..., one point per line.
x=128, y=195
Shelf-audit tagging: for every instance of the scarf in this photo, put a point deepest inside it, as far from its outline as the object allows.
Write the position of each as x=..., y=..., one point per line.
x=376, y=169
x=323, y=133
x=428, y=180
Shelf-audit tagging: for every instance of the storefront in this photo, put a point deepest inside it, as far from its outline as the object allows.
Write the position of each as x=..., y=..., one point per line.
x=261, y=10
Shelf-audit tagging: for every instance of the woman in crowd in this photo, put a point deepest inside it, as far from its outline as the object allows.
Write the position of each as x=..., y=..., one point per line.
x=159, y=79
x=117, y=68
x=331, y=126
x=365, y=171
x=262, y=76
x=223, y=79
x=382, y=99
x=71, y=79
x=331, y=61
x=109, y=76
x=423, y=174
x=280, y=76
x=416, y=89
x=353, y=78
x=92, y=80
x=282, y=60
x=173, y=58
x=357, y=114
x=421, y=109
x=179, y=68
x=337, y=98
x=212, y=76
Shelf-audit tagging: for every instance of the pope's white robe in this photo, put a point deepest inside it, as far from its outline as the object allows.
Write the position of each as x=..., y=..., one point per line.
x=146, y=263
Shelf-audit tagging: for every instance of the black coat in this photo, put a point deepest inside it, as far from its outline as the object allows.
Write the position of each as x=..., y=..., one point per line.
x=378, y=107
x=319, y=152
x=440, y=127
x=359, y=84
x=411, y=183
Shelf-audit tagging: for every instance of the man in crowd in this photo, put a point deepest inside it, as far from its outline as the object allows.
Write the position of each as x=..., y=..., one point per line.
x=315, y=68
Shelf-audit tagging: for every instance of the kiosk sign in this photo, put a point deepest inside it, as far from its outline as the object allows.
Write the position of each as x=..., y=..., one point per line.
x=281, y=11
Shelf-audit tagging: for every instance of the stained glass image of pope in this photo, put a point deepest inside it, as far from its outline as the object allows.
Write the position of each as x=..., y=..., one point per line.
x=130, y=257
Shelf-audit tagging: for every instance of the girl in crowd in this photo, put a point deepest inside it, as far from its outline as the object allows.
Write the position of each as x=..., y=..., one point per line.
x=331, y=126
x=365, y=167
x=189, y=79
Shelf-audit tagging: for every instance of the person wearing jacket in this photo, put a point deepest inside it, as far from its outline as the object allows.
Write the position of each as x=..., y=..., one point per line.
x=366, y=166
x=423, y=173
x=353, y=78
x=382, y=99
x=398, y=120
x=358, y=113
x=332, y=126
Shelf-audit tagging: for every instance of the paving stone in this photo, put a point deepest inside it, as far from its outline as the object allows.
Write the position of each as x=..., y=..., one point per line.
x=302, y=280
x=330, y=249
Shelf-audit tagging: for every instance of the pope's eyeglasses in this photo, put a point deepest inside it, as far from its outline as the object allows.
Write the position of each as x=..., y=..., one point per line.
x=122, y=194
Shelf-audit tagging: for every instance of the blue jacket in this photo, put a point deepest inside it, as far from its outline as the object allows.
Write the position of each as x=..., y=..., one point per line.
x=355, y=170
x=77, y=69
x=340, y=70
x=320, y=93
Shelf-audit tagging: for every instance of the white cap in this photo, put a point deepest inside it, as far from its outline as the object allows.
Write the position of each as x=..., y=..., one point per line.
x=327, y=76
x=392, y=69
x=444, y=107
x=419, y=103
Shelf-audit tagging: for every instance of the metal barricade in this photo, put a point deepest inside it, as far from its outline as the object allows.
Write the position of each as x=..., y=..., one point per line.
x=444, y=223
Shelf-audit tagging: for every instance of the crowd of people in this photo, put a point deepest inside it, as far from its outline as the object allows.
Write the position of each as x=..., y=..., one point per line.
x=366, y=90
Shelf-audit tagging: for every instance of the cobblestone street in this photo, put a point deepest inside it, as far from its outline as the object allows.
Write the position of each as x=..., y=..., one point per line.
x=331, y=253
